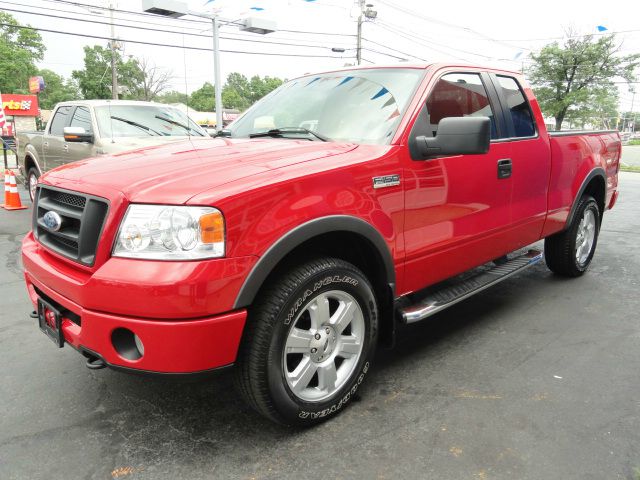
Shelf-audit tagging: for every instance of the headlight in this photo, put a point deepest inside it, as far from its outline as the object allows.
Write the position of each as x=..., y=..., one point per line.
x=165, y=232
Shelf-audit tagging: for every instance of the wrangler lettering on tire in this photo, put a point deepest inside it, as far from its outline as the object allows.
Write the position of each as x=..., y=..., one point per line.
x=309, y=342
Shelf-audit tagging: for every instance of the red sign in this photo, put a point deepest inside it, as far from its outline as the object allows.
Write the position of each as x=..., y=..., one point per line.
x=20, y=105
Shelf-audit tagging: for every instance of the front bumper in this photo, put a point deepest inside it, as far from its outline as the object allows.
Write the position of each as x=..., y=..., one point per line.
x=176, y=338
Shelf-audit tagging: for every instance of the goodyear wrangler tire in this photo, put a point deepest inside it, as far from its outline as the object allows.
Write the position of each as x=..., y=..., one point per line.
x=569, y=253
x=308, y=343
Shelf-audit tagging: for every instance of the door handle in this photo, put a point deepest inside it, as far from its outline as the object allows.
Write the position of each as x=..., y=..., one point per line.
x=504, y=168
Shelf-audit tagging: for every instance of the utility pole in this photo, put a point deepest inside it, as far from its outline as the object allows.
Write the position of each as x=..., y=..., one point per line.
x=114, y=63
x=360, y=20
x=633, y=116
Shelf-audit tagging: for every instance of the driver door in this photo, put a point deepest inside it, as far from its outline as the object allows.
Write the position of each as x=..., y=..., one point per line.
x=457, y=208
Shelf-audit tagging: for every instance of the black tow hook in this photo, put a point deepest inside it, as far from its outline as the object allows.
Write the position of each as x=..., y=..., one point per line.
x=95, y=363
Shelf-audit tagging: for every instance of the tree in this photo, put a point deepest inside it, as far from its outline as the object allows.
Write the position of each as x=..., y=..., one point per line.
x=57, y=89
x=262, y=86
x=154, y=80
x=19, y=50
x=203, y=99
x=236, y=93
x=568, y=78
x=95, y=80
x=241, y=93
x=173, y=96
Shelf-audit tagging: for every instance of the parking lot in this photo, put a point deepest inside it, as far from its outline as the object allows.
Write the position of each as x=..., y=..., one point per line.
x=534, y=379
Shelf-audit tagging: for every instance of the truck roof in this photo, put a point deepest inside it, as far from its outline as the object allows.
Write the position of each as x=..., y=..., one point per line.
x=101, y=103
x=422, y=66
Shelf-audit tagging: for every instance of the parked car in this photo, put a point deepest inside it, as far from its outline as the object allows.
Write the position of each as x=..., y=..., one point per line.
x=291, y=252
x=88, y=128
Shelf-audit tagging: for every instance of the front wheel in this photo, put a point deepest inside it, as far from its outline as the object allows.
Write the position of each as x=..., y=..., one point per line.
x=570, y=252
x=32, y=182
x=309, y=342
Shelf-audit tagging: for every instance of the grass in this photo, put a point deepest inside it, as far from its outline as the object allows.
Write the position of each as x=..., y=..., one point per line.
x=630, y=168
x=635, y=141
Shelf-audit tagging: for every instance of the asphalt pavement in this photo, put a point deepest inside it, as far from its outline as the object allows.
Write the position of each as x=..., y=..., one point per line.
x=534, y=379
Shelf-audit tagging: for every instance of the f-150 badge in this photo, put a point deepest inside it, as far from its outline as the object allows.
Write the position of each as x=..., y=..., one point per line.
x=386, y=181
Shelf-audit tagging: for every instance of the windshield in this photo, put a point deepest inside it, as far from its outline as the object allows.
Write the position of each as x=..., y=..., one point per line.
x=358, y=106
x=144, y=120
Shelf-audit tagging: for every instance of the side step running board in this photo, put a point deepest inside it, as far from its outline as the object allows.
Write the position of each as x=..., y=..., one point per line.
x=436, y=301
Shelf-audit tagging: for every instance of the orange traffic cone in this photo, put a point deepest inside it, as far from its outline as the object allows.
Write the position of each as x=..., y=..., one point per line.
x=7, y=174
x=13, y=201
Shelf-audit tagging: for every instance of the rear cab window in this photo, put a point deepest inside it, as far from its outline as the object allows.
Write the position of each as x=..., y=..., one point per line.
x=520, y=122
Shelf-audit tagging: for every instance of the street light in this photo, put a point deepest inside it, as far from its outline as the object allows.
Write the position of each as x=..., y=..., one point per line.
x=177, y=9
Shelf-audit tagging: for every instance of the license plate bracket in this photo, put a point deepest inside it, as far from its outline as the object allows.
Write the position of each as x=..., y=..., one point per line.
x=50, y=322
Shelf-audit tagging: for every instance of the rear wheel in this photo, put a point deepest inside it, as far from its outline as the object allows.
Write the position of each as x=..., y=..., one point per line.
x=569, y=253
x=32, y=182
x=308, y=343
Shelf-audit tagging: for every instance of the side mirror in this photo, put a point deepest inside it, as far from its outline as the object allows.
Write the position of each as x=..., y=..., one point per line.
x=456, y=136
x=77, y=134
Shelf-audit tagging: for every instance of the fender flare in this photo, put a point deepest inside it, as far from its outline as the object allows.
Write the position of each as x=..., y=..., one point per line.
x=28, y=153
x=596, y=172
x=300, y=234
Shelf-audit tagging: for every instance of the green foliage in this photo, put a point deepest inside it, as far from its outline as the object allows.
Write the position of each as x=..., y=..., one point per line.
x=240, y=93
x=570, y=79
x=203, y=99
x=19, y=50
x=57, y=89
x=172, y=96
x=94, y=80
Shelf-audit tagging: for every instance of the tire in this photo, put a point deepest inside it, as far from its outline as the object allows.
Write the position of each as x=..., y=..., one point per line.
x=32, y=175
x=324, y=315
x=569, y=253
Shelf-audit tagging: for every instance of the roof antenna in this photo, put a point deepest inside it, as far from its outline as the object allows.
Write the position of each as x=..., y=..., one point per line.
x=110, y=120
x=186, y=88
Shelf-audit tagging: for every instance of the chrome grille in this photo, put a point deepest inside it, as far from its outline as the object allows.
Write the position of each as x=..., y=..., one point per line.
x=82, y=219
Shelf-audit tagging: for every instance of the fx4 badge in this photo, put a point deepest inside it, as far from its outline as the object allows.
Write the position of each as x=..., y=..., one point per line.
x=386, y=181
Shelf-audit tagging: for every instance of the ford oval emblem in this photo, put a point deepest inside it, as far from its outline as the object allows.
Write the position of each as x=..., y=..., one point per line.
x=52, y=221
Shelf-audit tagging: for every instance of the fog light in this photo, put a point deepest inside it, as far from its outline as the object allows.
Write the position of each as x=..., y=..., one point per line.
x=127, y=344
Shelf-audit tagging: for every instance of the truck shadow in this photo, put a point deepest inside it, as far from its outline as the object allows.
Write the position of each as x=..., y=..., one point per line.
x=205, y=417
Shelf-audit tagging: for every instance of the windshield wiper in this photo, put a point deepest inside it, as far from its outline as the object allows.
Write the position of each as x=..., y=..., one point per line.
x=282, y=131
x=136, y=124
x=173, y=122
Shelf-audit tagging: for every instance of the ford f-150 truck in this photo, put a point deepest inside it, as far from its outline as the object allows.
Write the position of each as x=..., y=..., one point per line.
x=87, y=128
x=331, y=211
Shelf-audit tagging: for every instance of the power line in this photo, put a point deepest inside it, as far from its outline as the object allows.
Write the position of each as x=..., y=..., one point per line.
x=396, y=32
x=169, y=45
x=201, y=22
x=382, y=53
x=48, y=15
x=446, y=24
x=393, y=49
x=416, y=36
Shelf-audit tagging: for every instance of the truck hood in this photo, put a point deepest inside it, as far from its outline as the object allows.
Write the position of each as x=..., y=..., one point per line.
x=124, y=144
x=175, y=172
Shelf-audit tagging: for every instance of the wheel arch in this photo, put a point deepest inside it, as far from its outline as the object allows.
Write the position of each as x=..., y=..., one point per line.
x=30, y=162
x=349, y=238
x=594, y=184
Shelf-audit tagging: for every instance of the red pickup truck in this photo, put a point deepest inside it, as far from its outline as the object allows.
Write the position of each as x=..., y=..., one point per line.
x=330, y=211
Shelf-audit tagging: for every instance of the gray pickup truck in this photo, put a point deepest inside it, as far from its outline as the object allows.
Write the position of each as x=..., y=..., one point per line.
x=90, y=128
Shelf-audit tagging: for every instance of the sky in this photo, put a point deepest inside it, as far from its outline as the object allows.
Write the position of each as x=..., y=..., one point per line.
x=496, y=33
